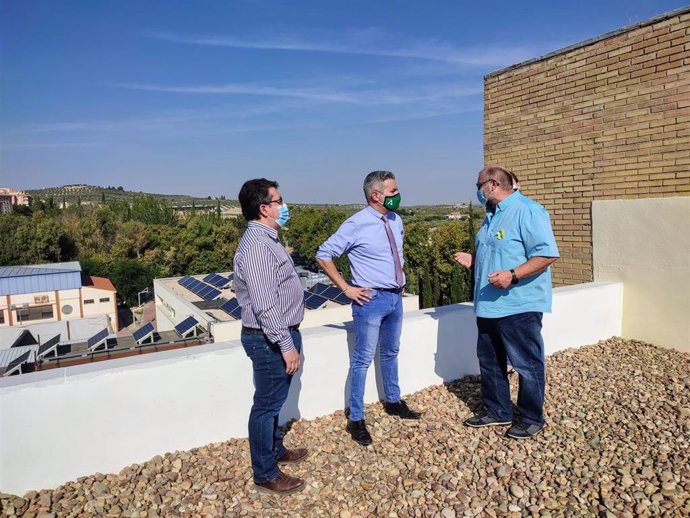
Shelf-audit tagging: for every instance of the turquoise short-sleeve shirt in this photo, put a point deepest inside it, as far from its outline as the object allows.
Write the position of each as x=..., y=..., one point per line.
x=518, y=230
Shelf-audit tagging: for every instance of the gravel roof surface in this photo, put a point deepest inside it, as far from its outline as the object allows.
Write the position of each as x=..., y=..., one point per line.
x=617, y=444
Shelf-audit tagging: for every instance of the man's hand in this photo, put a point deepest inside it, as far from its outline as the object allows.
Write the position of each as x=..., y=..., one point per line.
x=463, y=259
x=359, y=295
x=292, y=361
x=500, y=279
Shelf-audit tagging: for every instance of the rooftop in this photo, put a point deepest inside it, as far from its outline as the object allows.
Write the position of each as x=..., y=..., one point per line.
x=617, y=444
x=39, y=269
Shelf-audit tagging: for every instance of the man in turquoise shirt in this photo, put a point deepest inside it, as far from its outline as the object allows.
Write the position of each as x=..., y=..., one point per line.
x=514, y=250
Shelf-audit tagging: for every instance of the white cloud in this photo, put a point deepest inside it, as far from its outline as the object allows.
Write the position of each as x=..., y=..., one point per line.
x=372, y=42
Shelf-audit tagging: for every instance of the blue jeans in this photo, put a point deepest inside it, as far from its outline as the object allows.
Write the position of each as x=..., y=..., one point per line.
x=271, y=384
x=516, y=338
x=378, y=321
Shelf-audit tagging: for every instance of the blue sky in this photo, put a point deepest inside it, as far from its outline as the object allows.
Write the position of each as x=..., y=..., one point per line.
x=195, y=97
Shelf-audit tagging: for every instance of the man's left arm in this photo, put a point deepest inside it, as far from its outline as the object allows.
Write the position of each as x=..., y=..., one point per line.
x=540, y=249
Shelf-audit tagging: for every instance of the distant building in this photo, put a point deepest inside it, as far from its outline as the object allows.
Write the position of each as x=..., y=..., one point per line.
x=10, y=199
x=43, y=293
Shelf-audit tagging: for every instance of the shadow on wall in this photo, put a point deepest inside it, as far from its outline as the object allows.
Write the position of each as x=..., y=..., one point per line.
x=456, y=351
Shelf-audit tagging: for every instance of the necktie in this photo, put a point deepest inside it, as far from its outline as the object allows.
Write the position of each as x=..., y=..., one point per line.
x=394, y=251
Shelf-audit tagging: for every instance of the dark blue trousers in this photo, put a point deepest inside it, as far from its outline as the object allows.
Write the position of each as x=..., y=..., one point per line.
x=516, y=338
x=271, y=386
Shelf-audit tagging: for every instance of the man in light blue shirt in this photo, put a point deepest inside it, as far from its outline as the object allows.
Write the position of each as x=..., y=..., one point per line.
x=372, y=239
x=514, y=250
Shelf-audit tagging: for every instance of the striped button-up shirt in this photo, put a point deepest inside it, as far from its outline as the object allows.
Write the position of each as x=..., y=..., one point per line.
x=267, y=286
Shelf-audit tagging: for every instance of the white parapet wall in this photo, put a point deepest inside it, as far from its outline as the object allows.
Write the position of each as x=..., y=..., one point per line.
x=65, y=423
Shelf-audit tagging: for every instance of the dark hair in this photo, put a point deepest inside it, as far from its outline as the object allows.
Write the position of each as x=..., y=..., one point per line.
x=499, y=174
x=253, y=194
x=374, y=180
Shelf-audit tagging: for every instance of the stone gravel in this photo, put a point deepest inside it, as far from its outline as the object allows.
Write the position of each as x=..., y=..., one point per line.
x=617, y=445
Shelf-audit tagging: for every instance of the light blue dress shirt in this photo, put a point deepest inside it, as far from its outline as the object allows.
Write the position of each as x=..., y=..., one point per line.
x=518, y=230
x=363, y=238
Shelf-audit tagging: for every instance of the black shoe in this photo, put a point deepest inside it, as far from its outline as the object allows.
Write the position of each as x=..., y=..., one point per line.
x=358, y=431
x=401, y=410
x=524, y=430
x=484, y=419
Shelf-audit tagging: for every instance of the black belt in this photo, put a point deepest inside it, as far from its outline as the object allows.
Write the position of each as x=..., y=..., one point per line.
x=389, y=290
x=253, y=330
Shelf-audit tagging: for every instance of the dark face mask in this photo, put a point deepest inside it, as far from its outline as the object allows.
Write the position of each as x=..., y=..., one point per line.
x=392, y=203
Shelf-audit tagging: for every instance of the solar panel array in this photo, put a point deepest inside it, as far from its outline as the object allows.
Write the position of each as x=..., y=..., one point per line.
x=143, y=332
x=96, y=339
x=331, y=293
x=199, y=288
x=217, y=280
x=17, y=363
x=232, y=308
x=186, y=325
x=313, y=300
x=46, y=347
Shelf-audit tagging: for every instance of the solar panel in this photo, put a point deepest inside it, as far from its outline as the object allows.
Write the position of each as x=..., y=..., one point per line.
x=203, y=290
x=17, y=363
x=186, y=326
x=319, y=287
x=343, y=299
x=143, y=333
x=47, y=347
x=314, y=301
x=217, y=280
x=330, y=293
x=97, y=340
x=232, y=308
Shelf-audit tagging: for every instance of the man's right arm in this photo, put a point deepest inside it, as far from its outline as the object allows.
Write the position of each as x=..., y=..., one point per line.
x=335, y=246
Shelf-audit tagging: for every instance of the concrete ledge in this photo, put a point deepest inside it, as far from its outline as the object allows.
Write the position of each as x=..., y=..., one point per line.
x=61, y=424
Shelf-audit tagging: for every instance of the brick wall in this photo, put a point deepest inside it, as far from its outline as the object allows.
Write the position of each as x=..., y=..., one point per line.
x=605, y=119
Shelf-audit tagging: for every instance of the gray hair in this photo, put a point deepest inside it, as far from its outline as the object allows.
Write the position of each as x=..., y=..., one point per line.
x=374, y=181
x=499, y=174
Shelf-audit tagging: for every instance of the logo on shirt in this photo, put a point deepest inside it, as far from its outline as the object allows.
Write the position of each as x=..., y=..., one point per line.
x=500, y=234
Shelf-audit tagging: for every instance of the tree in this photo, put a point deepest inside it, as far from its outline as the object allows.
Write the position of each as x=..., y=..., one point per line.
x=308, y=228
x=152, y=210
x=426, y=293
x=130, y=277
x=103, y=198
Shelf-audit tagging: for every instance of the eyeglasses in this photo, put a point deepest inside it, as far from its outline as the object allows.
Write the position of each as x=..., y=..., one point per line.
x=279, y=201
x=480, y=185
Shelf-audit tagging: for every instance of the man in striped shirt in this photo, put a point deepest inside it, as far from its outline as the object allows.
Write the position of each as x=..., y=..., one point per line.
x=272, y=300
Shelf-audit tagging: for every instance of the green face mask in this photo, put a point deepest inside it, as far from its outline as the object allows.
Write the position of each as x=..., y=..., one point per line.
x=392, y=202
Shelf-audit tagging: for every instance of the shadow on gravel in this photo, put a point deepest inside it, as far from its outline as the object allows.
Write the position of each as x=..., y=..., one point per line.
x=467, y=390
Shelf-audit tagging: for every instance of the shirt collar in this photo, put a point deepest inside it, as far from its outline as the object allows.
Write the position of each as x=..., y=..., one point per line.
x=270, y=231
x=507, y=202
x=374, y=212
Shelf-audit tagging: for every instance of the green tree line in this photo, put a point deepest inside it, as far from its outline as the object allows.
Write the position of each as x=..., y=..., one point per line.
x=133, y=242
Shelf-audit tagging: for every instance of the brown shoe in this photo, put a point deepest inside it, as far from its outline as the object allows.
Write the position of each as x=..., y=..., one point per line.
x=283, y=484
x=294, y=456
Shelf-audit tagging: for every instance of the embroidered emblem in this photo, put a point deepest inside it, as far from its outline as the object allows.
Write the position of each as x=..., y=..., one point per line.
x=500, y=234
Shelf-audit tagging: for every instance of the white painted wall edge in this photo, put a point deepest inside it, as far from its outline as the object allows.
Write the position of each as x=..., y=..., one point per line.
x=65, y=423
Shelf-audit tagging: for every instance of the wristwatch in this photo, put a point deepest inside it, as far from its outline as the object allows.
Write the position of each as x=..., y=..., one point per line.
x=515, y=279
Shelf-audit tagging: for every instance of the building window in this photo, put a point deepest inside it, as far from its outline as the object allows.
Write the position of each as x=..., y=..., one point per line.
x=35, y=313
x=2, y=316
x=88, y=301
x=106, y=299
